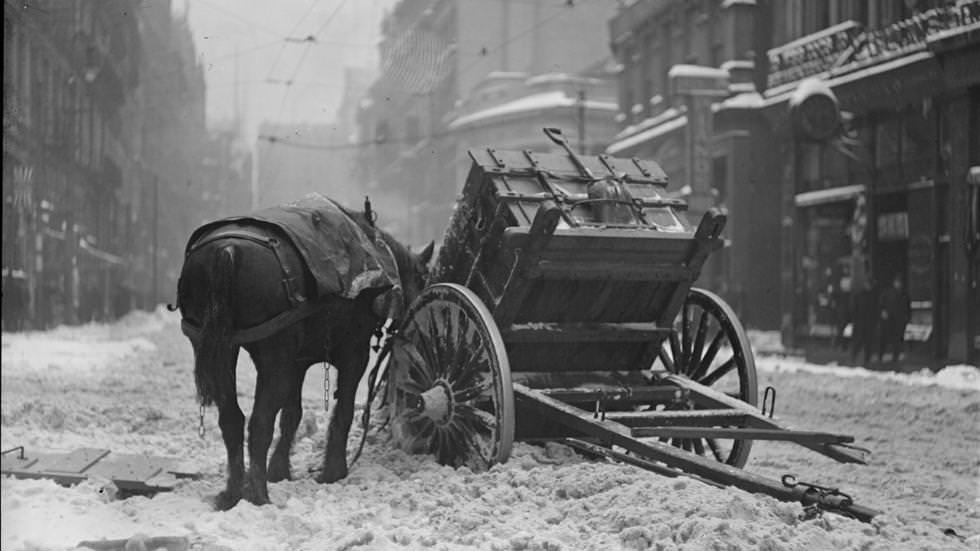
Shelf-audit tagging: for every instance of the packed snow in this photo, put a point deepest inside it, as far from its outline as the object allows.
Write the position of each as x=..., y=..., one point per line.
x=128, y=387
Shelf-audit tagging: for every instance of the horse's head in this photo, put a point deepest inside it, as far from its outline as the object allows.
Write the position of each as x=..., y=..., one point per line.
x=412, y=271
x=412, y=267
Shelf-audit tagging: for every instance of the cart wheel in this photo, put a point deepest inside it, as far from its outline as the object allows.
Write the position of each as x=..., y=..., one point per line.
x=450, y=390
x=709, y=346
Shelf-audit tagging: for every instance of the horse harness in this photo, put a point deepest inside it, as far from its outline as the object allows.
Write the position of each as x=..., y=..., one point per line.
x=301, y=306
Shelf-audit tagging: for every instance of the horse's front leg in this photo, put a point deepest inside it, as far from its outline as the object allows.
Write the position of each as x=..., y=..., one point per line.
x=289, y=419
x=351, y=361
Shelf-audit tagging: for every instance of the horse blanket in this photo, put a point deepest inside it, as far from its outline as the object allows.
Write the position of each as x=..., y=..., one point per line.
x=343, y=259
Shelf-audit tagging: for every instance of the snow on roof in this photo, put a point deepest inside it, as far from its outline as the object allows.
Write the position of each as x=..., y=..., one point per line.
x=745, y=100
x=647, y=135
x=550, y=78
x=649, y=122
x=697, y=71
x=532, y=103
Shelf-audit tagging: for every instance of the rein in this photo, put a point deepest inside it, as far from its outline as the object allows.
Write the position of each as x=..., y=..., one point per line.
x=383, y=348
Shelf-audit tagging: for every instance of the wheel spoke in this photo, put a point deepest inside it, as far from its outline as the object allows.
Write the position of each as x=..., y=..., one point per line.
x=698, y=346
x=722, y=370
x=668, y=363
x=675, y=351
x=480, y=420
x=715, y=449
x=705, y=363
x=417, y=365
x=686, y=337
x=473, y=392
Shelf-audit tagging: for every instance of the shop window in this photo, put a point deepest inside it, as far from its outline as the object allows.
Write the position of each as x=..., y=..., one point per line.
x=826, y=269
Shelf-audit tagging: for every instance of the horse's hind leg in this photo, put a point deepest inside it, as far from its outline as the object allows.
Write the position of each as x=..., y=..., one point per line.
x=231, y=420
x=289, y=419
x=274, y=360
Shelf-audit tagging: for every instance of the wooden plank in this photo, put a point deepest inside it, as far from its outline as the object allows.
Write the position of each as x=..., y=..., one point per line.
x=129, y=472
x=706, y=239
x=732, y=433
x=614, y=396
x=583, y=332
x=666, y=418
x=619, y=271
x=711, y=398
x=620, y=435
x=74, y=462
x=512, y=296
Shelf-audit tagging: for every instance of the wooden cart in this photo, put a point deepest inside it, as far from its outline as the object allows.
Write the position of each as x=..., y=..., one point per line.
x=550, y=315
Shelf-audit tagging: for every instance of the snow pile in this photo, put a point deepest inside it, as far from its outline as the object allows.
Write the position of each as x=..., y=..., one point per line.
x=83, y=348
x=767, y=344
x=139, y=398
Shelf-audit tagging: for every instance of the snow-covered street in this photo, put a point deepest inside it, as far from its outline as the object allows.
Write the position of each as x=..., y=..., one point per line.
x=129, y=387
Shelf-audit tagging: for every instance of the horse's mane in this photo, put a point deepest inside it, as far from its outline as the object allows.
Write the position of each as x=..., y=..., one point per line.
x=402, y=254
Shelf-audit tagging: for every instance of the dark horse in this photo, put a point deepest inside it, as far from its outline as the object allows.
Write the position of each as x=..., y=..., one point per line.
x=235, y=281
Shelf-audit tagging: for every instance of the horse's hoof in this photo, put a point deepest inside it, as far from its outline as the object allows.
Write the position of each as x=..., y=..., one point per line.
x=226, y=500
x=256, y=497
x=328, y=476
x=278, y=472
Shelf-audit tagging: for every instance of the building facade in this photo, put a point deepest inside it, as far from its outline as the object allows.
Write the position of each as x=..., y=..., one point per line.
x=890, y=197
x=82, y=173
x=460, y=74
x=692, y=61
x=818, y=228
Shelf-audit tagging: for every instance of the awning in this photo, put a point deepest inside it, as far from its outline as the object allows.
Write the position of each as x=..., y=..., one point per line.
x=108, y=258
x=832, y=195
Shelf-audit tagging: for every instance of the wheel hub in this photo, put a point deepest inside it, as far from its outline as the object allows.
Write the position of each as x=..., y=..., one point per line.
x=437, y=403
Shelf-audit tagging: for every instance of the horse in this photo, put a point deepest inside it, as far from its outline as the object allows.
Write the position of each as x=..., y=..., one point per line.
x=235, y=280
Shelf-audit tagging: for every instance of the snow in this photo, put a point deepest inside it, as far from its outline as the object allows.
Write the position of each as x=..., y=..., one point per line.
x=129, y=387
x=529, y=104
x=647, y=135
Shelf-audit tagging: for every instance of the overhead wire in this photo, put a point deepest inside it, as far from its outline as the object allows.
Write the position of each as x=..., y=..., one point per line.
x=299, y=66
x=434, y=135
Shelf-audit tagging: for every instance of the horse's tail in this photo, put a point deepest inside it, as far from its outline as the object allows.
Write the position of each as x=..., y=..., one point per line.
x=211, y=366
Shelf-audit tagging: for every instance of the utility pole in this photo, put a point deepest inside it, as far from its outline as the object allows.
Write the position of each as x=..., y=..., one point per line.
x=581, y=122
x=156, y=240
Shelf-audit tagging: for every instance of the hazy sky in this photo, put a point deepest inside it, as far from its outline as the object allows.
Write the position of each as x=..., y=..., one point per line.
x=346, y=32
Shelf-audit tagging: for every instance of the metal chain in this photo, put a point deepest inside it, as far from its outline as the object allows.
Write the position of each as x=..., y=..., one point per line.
x=200, y=426
x=326, y=388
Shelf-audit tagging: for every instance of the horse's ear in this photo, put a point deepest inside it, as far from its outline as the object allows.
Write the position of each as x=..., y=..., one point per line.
x=426, y=255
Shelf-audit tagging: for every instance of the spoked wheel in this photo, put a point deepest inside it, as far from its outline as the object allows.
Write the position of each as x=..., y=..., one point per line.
x=709, y=346
x=450, y=387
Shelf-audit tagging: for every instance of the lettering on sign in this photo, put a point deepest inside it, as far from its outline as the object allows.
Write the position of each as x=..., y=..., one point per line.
x=850, y=46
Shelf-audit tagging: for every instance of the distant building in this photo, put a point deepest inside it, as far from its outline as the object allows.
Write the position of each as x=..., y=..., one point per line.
x=460, y=74
x=101, y=101
x=713, y=39
x=227, y=172
x=298, y=159
x=294, y=160
x=891, y=197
